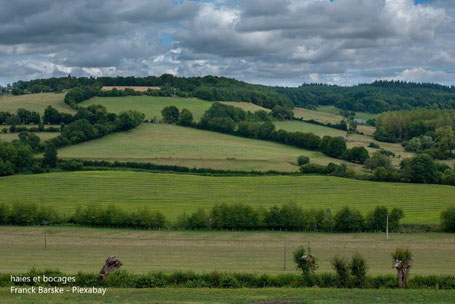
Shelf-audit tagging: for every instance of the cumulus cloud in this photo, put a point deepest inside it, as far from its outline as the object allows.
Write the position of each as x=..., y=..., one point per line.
x=283, y=42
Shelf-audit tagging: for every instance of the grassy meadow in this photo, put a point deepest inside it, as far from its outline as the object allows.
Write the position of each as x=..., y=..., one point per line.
x=241, y=296
x=73, y=249
x=336, y=111
x=151, y=106
x=34, y=102
x=173, y=194
x=170, y=144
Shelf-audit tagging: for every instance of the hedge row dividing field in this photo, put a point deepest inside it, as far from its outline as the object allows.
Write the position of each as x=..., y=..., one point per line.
x=73, y=249
x=173, y=194
x=241, y=296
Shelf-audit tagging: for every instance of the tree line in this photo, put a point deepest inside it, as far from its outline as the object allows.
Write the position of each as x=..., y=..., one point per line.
x=377, y=97
x=289, y=217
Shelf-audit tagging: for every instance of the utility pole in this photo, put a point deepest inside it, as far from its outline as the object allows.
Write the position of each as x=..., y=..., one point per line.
x=387, y=227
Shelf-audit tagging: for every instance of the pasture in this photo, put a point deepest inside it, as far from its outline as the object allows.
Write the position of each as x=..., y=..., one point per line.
x=34, y=102
x=241, y=296
x=336, y=111
x=171, y=144
x=174, y=194
x=73, y=249
x=151, y=106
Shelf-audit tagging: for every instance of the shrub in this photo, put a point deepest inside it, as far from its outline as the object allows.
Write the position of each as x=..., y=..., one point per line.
x=341, y=267
x=72, y=165
x=358, y=271
x=348, y=220
x=448, y=219
x=303, y=160
x=170, y=114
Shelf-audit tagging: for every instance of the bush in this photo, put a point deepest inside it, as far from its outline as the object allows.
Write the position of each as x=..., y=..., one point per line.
x=170, y=114
x=448, y=219
x=303, y=160
x=349, y=220
x=341, y=267
x=358, y=271
x=72, y=165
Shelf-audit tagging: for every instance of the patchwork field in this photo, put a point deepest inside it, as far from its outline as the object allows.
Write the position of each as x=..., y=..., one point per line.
x=242, y=296
x=170, y=144
x=175, y=193
x=336, y=111
x=73, y=249
x=353, y=139
x=34, y=102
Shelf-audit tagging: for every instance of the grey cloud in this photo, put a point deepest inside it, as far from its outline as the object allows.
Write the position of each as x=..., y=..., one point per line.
x=268, y=41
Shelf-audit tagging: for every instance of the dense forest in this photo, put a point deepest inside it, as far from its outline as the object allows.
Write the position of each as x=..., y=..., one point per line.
x=377, y=97
x=421, y=131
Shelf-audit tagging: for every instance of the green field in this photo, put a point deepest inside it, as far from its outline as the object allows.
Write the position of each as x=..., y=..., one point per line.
x=336, y=111
x=170, y=144
x=43, y=135
x=34, y=102
x=73, y=249
x=242, y=296
x=151, y=106
x=175, y=193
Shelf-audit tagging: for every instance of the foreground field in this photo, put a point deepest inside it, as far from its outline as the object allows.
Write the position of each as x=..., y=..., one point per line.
x=247, y=296
x=34, y=102
x=175, y=193
x=170, y=144
x=73, y=249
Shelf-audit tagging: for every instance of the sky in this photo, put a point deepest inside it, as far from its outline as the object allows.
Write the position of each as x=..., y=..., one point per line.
x=273, y=42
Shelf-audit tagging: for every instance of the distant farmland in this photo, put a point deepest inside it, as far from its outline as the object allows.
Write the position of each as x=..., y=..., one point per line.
x=175, y=193
x=170, y=144
x=151, y=106
x=34, y=102
x=136, y=88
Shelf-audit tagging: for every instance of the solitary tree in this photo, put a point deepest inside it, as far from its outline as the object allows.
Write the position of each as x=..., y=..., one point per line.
x=170, y=114
x=50, y=156
x=402, y=259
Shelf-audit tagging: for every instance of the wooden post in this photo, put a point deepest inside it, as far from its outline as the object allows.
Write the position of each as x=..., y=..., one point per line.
x=387, y=227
